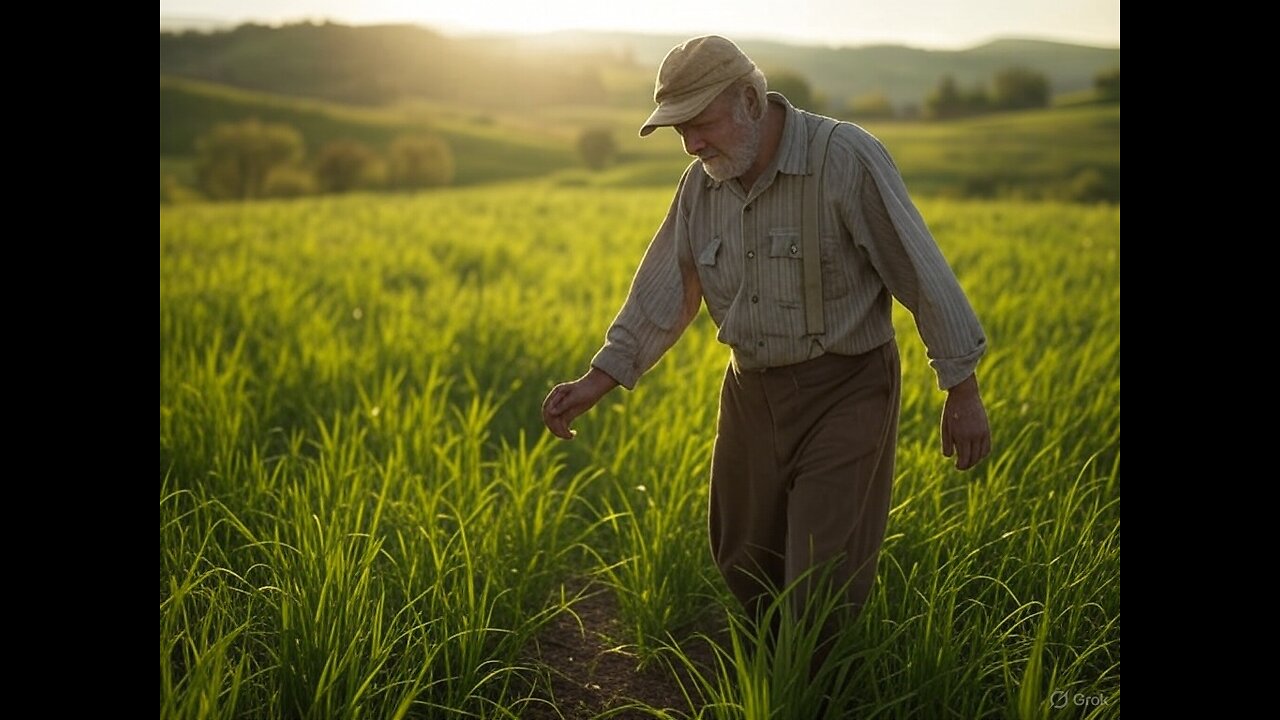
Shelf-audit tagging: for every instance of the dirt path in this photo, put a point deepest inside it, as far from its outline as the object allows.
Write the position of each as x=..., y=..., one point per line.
x=591, y=674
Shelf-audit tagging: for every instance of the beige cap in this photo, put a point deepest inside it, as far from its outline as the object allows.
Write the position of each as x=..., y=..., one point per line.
x=691, y=76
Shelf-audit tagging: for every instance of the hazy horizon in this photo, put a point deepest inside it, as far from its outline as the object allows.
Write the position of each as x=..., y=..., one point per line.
x=933, y=24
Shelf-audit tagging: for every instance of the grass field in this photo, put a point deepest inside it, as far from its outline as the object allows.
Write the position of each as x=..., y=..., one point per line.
x=361, y=517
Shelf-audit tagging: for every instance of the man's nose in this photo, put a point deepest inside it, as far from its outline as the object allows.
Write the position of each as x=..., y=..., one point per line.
x=693, y=143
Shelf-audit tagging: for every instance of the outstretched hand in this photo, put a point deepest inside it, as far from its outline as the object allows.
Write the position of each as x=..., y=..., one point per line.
x=567, y=401
x=966, y=433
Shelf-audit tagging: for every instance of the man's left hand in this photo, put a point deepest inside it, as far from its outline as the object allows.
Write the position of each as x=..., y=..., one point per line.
x=965, y=432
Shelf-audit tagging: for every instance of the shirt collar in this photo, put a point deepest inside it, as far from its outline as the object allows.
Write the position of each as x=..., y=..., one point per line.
x=793, y=147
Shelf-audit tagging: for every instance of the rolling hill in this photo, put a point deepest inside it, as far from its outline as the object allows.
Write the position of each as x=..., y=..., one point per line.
x=375, y=65
x=1060, y=152
x=484, y=152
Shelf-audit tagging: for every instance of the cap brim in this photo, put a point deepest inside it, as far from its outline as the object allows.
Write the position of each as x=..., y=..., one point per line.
x=674, y=111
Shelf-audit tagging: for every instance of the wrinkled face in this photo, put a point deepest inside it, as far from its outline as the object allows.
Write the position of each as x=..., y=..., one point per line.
x=723, y=136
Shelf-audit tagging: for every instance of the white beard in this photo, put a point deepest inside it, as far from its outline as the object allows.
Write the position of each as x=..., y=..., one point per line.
x=722, y=168
x=734, y=161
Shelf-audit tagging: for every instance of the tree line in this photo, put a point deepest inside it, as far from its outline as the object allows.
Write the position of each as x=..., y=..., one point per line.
x=1013, y=88
x=251, y=159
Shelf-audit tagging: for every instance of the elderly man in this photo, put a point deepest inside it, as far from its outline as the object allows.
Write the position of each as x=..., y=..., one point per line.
x=798, y=233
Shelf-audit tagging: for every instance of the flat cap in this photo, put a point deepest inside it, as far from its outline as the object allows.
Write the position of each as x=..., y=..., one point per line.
x=691, y=76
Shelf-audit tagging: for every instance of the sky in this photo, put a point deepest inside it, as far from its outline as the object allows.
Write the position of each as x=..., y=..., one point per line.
x=921, y=23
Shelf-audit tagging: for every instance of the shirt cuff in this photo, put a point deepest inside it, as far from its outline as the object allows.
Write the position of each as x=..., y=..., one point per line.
x=614, y=363
x=953, y=371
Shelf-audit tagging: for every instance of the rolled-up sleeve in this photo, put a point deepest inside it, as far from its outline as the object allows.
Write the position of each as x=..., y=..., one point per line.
x=912, y=267
x=664, y=297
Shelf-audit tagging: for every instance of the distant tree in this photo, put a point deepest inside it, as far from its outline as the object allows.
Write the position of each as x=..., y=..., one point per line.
x=794, y=86
x=597, y=147
x=1018, y=88
x=173, y=191
x=1092, y=185
x=286, y=181
x=375, y=173
x=343, y=165
x=233, y=159
x=1107, y=84
x=416, y=161
x=945, y=101
x=871, y=105
x=976, y=101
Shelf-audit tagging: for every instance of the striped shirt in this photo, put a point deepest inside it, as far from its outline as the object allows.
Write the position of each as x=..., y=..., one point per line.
x=742, y=254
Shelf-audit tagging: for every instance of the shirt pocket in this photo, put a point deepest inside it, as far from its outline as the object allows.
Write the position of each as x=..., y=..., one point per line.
x=786, y=266
x=715, y=275
x=707, y=255
x=787, y=244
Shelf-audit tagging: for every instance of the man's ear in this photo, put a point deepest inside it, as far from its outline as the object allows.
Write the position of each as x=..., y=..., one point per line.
x=752, y=100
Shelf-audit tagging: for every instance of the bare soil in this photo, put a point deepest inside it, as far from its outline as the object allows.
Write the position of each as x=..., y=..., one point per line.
x=592, y=673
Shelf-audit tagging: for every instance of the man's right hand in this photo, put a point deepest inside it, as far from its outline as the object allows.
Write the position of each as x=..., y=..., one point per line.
x=567, y=401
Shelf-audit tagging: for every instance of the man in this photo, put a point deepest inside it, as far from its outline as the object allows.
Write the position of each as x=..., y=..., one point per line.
x=804, y=452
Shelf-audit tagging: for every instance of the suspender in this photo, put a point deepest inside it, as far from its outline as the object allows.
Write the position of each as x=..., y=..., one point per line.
x=810, y=228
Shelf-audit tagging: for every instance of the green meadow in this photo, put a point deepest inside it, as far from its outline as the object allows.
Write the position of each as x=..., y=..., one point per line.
x=361, y=515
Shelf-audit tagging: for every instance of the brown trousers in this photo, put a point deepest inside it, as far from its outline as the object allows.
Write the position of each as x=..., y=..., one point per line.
x=802, y=472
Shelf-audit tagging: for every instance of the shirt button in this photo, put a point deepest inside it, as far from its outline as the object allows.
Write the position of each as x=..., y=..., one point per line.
x=760, y=343
x=751, y=254
x=794, y=250
x=746, y=209
x=755, y=298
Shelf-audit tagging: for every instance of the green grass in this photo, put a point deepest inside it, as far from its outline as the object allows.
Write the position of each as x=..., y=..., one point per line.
x=1040, y=154
x=360, y=515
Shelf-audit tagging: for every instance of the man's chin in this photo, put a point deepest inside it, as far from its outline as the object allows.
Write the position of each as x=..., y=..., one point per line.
x=717, y=169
